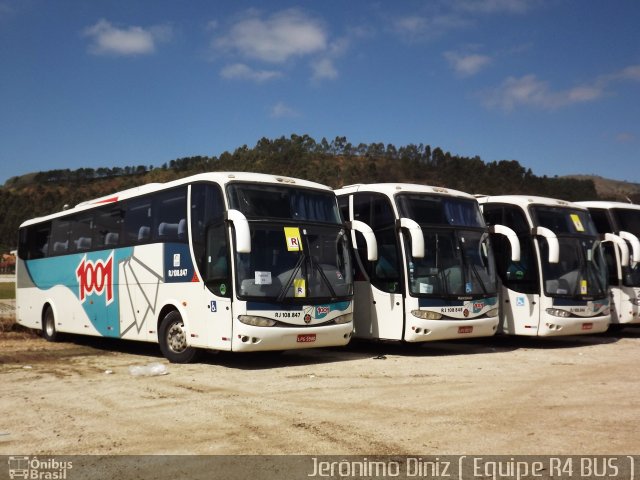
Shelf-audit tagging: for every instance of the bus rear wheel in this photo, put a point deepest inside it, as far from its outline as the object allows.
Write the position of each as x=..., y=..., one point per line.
x=49, y=331
x=173, y=340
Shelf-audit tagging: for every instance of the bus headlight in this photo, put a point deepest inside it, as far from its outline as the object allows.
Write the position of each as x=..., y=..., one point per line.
x=635, y=301
x=492, y=313
x=426, y=314
x=343, y=319
x=557, y=312
x=256, y=321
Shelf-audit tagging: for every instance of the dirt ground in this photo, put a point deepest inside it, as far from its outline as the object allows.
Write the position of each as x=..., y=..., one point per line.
x=578, y=395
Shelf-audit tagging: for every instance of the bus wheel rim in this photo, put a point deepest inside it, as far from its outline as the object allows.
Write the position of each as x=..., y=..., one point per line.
x=49, y=325
x=176, y=338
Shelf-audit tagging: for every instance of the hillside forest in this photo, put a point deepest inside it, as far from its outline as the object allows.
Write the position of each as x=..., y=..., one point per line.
x=335, y=163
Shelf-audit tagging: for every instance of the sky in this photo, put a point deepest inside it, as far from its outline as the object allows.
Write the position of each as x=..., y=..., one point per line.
x=553, y=84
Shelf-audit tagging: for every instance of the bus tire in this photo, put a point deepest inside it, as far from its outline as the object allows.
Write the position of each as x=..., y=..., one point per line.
x=49, y=331
x=173, y=339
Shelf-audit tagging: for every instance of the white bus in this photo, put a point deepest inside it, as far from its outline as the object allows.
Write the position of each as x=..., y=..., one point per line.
x=223, y=261
x=623, y=259
x=560, y=284
x=434, y=277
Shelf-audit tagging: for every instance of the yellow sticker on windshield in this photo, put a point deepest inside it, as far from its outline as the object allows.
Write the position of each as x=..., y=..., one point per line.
x=292, y=234
x=299, y=288
x=577, y=223
x=583, y=287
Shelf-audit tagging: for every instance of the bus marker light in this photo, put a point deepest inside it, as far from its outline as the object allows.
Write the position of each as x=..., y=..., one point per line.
x=465, y=329
x=587, y=326
x=306, y=338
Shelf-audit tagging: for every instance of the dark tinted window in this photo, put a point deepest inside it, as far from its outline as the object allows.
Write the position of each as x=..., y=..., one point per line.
x=34, y=241
x=376, y=211
x=171, y=215
x=519, y=276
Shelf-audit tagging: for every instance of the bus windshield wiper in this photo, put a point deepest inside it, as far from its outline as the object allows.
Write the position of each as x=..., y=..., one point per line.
x=289, y=282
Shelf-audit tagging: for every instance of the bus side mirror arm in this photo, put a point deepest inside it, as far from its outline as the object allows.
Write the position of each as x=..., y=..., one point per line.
x=621, y=244
x=552, y=240
x=369, y=237
x=635, y=244
x=241, y=225
x=417, y=239
x=511, y=236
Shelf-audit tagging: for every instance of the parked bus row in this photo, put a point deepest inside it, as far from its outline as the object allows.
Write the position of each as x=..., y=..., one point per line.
x=251, y=262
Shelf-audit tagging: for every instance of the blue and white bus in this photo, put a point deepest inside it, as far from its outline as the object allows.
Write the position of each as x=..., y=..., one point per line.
x=623, y=256
x=559, y=286
x=223, y=261
x=434, y=277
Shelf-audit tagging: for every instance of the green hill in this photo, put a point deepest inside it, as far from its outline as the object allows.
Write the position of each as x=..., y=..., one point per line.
x=334, y=163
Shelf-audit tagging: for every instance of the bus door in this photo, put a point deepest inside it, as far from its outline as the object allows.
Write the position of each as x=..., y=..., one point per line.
x=379, y=306
x=519, y=280
x=211, y=251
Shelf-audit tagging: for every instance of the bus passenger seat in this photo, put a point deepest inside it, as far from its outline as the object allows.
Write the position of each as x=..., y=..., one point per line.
x=182, y=229
x=59, y=247
x=83, y=243
x=111, y=238
x=168, y=229
x=144, y=233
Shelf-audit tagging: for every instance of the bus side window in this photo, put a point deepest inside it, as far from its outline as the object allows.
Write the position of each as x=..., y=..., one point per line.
x=170, y=224
x=108, y=223
x=601, y=220
x=34, y=241
x=81, y=233
x=60, y=231
x=209, y=237
x=137, y=216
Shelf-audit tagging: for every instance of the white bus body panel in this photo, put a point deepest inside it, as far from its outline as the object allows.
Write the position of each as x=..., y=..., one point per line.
x=623, y=309
x=460, y=321
x=525, y=314
x=378, y=314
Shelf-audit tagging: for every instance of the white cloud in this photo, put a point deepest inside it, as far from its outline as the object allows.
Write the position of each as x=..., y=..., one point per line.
x=437, y=18
x=531, y=91
x=274, y=39
x=467, y=65
x=281, y=110
x=240, y=71
x=324, y=69
x=110, y=40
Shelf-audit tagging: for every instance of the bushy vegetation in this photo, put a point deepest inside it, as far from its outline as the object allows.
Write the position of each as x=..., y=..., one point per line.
x=336, y=163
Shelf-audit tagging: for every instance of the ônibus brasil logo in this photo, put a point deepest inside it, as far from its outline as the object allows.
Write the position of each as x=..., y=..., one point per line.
x=95, y=278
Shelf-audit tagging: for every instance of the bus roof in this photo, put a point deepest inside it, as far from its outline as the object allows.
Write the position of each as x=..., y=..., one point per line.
x=609, y=205
x=222, y=178
x=391, y=189
x=525, y=200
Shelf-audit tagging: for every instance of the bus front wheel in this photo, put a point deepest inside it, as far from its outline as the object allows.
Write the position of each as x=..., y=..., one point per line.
x=49, y=331
x=173, y=340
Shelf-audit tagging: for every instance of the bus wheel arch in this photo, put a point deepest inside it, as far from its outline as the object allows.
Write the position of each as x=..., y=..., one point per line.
x=172, y=337
x=49, y=331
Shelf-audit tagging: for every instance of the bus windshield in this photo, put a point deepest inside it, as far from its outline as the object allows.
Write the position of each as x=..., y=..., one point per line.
x=582, y=270
x=440, y=210
x=318, y=268
x=299, y=248
x=458, y=260
x=259, y=202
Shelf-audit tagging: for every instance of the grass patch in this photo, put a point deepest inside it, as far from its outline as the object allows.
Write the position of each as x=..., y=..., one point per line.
x=7, y=290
